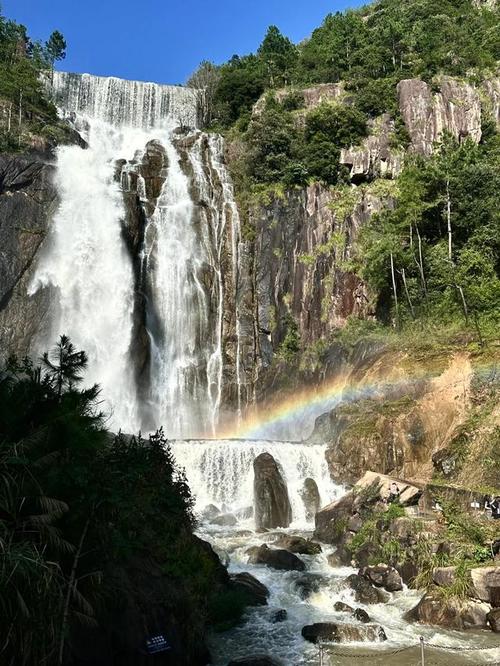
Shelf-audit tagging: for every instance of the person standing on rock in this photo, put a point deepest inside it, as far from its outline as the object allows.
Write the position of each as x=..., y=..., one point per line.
x=495, y=508
x=394, y=493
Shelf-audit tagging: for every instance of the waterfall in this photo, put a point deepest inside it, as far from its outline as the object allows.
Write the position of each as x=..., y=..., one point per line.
x=188, y=227
x=221, y=472
x=127, y=103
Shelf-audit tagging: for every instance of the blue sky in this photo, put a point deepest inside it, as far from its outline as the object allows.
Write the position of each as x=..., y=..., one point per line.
x=163, y=40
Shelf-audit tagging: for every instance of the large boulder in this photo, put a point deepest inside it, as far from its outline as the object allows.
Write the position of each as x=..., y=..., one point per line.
x=272, y=505
x=486, y=584
x=308, y=584
x=409, y=493
x=444, y=576
x=452, y=613
x=337, y=632
x=331, y=521
x=224, y=520
x=255, y=591
x=364, y=592
x=383, y=576
x=493, y=619
x=275, y=558
x=297, y=544
x=311, y=498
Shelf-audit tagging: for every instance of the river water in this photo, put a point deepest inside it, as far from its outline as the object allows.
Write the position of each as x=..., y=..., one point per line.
x=220, y=472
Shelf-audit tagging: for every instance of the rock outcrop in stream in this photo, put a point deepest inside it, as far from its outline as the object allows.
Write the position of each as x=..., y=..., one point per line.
x=271, y=502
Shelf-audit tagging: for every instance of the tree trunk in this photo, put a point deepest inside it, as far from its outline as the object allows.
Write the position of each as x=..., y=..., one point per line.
x=464, y=303
x=20, y=108
x=394, y=287
x=448, y=217
x=421, y=263
x=403, y=275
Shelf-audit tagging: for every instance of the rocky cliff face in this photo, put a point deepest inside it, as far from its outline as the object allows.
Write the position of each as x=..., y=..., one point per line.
x=298, y=272
x=412, y=423
x=27, y=202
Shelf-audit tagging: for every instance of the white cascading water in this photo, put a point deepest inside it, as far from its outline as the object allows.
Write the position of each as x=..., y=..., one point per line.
x=220, y=472
x=86, y=261
x=181, y=307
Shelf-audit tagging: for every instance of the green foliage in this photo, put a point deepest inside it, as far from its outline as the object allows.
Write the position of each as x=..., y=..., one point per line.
x=78, y=505
x=23, y=97
x=278, y=56
x=454, y=189
x=290, y=346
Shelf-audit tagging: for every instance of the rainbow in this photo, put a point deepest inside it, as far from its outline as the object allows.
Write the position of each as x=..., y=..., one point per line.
x=313, y=401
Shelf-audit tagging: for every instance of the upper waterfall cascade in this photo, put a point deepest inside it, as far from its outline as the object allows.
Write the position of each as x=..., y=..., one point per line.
x=127, y=103
x=93, y=273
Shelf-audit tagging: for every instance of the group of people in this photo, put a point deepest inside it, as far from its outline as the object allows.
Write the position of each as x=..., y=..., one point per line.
x=491, y=504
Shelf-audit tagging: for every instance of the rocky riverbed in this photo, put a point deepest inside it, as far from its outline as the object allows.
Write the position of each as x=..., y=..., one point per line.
x=319, y=594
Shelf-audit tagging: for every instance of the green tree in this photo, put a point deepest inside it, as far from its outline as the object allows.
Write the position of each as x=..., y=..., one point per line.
x=279, y=56
x=55, y=47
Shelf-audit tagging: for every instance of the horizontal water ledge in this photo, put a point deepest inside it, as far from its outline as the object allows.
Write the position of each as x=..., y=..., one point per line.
x=241, y=440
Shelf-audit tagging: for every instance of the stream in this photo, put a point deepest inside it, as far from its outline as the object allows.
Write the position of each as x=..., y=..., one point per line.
x=220, y=472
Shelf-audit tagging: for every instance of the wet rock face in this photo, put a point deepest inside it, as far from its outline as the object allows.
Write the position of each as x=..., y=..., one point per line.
x=449, y=613
x=255, y=592
x=296, y=544
x=343, y=633
x=455, y=108
x=493, y=619
x=27, y=201
x=275, y=558
x=311, y=498
x=272, y=505
x=383, y=576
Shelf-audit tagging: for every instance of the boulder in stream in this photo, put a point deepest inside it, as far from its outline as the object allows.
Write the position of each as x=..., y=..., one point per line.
x=210, y=512
x=271, y=502
x=297, y=544
x=275, y=558
x=338, y=632
x=308, y=584
x=254, y=591
x=384, y=576
x=311, y=498
x=279, y=616
x=364, y=592
x=224, y=520
x=493, y=619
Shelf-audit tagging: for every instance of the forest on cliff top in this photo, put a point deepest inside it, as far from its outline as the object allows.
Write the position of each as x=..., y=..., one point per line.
x=433, y=255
